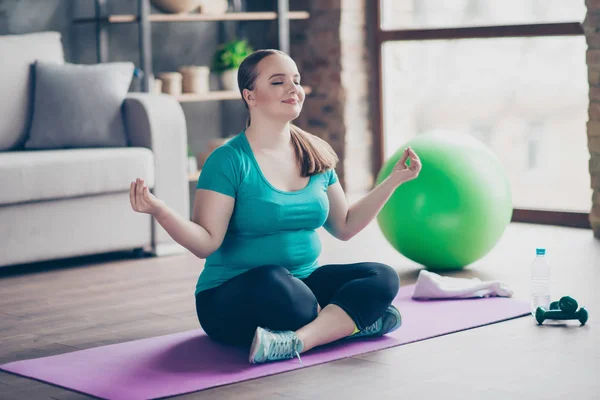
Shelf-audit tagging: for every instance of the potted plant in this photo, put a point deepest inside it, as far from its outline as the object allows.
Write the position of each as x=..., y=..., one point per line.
x=227, y=60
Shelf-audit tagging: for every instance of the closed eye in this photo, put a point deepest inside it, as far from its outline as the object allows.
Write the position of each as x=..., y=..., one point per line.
x=281, y=83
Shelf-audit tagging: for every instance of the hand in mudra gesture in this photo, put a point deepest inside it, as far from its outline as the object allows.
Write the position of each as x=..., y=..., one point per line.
x=404, y=172
x=142, y=200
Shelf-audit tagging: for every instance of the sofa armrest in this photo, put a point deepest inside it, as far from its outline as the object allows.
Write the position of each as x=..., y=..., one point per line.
x=157, y=122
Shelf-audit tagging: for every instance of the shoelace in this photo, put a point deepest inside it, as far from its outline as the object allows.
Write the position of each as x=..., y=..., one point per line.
x=298, y=355
x=373, y=328
x=283, y=345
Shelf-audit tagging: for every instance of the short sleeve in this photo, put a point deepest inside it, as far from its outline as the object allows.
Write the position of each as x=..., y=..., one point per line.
x=333, y=178
x=220, y=172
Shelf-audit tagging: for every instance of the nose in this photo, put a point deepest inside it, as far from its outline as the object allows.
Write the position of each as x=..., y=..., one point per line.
x=292, y=88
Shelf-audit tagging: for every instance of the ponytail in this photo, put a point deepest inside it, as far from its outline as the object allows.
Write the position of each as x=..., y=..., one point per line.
x=314, y=154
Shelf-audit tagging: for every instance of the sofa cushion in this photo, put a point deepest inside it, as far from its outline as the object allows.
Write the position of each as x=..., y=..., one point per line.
x=18, y=53
x=79, y=106
x=53, y=174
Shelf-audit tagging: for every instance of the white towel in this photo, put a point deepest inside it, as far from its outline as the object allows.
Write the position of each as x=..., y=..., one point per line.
x=433, y=286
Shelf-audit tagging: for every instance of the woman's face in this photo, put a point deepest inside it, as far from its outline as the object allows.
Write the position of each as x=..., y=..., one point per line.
x=277, y=92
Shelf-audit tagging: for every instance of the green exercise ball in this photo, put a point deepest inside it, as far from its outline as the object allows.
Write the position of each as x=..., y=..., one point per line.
x=455, y=211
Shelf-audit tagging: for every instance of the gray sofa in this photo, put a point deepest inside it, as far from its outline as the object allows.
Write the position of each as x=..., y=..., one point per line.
x=66, y=202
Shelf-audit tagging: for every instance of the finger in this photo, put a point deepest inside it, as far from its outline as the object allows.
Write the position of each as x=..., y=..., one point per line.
x=140, y=191
x=415, y=160
x=404, y=157
x=412, y=153
x=132, y=194
x=136, y=197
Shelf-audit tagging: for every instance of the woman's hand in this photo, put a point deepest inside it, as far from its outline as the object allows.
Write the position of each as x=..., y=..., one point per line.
x=142, y=200
x=404, y=173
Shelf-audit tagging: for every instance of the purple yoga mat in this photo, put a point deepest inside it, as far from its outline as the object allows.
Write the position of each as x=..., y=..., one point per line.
x=189, y=361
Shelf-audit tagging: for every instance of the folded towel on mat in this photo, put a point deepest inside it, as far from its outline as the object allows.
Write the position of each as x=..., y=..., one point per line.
x=433, y=286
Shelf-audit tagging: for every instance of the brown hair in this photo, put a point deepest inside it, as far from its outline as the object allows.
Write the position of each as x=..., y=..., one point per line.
x=314, y=154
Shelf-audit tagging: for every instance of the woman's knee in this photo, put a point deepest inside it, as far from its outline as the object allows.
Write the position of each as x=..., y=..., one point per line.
x=387, y=280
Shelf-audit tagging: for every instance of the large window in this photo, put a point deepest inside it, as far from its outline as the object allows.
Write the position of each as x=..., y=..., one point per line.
x=521, y=89
x=412, y=14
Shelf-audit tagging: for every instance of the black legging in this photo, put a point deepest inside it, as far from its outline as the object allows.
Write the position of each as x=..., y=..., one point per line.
x=270, y=297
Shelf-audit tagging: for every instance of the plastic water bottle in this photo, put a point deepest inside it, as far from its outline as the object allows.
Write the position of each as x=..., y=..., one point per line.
x=540, y=281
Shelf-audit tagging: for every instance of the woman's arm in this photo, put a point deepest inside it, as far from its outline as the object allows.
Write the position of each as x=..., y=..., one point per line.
x=201, y=236
x=344, y=222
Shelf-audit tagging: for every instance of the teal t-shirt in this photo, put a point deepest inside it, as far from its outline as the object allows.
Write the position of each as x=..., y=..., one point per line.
x=268, y=226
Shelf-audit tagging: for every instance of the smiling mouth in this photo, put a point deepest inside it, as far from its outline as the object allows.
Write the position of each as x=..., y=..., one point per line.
x=291, y=101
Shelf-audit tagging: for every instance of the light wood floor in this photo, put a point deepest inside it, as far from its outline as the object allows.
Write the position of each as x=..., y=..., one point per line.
x=94, y=303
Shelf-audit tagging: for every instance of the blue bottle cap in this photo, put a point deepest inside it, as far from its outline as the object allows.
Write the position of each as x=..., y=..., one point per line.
x=540, y=252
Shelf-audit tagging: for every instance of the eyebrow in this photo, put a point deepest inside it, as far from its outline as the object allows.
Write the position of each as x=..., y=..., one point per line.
x=280, y=74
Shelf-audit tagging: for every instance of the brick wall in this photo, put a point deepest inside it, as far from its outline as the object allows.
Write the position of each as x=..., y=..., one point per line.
x=331, y=52
x=592, y=32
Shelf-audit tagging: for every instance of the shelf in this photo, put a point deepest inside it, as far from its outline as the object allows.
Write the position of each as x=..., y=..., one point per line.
x=241, y=16
x=217, y=95
x=191, y=17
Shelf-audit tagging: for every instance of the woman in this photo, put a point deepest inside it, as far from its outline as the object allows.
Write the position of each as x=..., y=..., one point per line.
x=259, y=199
